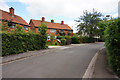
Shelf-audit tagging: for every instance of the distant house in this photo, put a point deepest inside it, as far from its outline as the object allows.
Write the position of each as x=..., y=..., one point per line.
x=53, y=28
x=13, y=19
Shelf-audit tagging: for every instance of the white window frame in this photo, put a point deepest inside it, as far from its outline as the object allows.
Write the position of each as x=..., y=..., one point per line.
x=52, y=30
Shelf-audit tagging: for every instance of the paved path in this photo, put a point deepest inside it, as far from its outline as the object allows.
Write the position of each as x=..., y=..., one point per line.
x=59, y=63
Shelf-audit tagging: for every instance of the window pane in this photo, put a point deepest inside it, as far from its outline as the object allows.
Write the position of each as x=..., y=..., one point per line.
x=62, y=30
x=69, y=31
x=38, y=29
x=26, y=27
x=52, y=30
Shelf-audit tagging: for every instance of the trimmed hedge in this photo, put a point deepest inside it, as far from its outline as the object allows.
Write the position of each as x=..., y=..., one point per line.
x=81, y=39
x=22, y=42
x=112, y=41
x=75, y=40
x=88, y=40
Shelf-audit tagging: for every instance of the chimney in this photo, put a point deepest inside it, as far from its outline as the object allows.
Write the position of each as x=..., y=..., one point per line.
x=62, y=22
x=43, y=19
x=11, y=11
x=52, y=21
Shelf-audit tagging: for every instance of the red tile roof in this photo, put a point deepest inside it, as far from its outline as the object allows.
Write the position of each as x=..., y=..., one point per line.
x=15, y=19
x=37, y=23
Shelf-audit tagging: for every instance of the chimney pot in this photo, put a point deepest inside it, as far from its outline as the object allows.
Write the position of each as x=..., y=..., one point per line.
x=11, y=11
x=43, y=19
x=52, y=21
x=62, y=22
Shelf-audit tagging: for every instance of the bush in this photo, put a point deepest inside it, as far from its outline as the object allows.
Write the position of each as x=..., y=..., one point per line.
x=63, y=42
x=88, y=39
x=68, y=40
x=21, y=42
x=60, y=37
x=75, y=40
x=112, y=41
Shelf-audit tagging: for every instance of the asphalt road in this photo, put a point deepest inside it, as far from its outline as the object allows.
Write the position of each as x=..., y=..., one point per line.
x=61, y=63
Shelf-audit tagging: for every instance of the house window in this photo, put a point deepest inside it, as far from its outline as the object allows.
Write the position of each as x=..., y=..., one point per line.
x=26, y=28
x=62, y=30
x=52, y=30
x=38, y=30
x=11, y=25
x=69, y=31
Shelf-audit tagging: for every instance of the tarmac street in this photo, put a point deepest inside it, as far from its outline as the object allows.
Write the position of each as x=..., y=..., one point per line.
x=70, y=62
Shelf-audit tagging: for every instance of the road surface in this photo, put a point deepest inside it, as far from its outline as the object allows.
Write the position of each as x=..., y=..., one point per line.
x=68, y=62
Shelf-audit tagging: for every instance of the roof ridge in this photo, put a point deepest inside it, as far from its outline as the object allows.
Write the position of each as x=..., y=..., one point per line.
x=48, y=21
x=17, y=19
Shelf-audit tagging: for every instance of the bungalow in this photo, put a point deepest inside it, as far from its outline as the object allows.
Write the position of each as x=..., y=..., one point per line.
x=53, y=28
x=13, y=19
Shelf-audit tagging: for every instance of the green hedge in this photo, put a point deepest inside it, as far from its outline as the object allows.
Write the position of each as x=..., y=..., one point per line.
x=88, y=40
x=75, y=40
x=14, y=43
x=112, y=41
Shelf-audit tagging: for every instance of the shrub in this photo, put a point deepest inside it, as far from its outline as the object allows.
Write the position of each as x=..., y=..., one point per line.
x=19, y=41
x=63, y=42
x=75, y=40
x=87, y=39
x=68, y=33
x=60, y=37
x=68, y=40
x=112, y=41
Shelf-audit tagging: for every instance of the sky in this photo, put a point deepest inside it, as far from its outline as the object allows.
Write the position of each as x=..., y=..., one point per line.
x=58, y=10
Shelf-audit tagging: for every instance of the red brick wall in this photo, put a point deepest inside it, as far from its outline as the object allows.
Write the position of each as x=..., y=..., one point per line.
x=15, y=25
x=66, y=32
x=53, y=33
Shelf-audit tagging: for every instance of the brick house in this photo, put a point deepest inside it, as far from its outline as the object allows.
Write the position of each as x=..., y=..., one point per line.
x=13, y=19
x=53, y=28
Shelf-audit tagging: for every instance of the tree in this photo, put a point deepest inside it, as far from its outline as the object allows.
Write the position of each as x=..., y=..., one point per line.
x=43, y=28
x=88, y=23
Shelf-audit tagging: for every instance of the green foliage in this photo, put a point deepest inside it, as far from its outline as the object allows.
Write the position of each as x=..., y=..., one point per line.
x=88, y=23
x=63, y=42
x=102, y=27
x=60, y=37
x=62, y=33
x=52, y=37
x=43, y=28
x=5, y=26
x=75, y=40
x=112, y=41
x=68, y=40
x=21, y=42
x=87, y=39
x=19, y=29
x=68, y=33
x=67, y=37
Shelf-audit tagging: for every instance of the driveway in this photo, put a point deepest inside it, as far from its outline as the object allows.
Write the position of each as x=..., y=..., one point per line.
x=69, y=62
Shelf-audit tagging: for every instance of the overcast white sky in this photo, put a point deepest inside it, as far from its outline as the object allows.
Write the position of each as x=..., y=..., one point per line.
x=67, y=10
